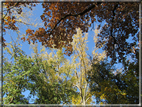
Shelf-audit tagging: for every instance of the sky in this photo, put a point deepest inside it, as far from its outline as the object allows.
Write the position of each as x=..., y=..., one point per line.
x=26, y=47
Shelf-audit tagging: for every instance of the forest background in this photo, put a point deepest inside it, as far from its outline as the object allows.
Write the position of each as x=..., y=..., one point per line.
x=68, y=66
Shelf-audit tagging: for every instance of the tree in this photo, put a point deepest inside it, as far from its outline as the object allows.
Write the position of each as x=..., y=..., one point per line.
x=60, y=21
x=14, y=79
x=121, y=87
x=49, y=72
x=82, y=65
x=42, y=74
x=57, y=72
x=121, y=23
x=111, y=85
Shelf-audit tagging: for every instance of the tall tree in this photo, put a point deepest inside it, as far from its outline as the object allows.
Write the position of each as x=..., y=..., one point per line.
x=42, y=74
x=57, y=72
x=111, y=85
x=82, y=66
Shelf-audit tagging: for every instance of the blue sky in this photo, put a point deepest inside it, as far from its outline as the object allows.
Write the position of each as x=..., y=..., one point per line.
x=26, y=47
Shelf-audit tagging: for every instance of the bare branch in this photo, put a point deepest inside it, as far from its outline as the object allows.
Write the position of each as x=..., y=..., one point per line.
x=23, y=22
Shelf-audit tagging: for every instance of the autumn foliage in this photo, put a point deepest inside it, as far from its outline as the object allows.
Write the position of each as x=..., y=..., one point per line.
x=9, y=20
x=64, y=26
x=62, y=18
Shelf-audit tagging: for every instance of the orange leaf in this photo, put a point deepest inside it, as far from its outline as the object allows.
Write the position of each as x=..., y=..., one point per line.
x=23, y=38
x=6, y=23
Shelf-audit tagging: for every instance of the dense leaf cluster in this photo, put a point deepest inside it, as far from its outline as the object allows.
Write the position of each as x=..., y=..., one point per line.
x=121, y=87
x=62, y=18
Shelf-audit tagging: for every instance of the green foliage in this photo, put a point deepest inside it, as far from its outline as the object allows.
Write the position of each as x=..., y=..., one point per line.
x=44, y=77
x=14, y=79
x=55, y=79
x=121, y=87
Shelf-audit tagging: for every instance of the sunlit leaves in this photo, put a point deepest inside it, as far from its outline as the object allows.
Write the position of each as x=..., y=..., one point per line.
x=60, y=20
x=29, y=31
x=10, y=9
x=81, y=63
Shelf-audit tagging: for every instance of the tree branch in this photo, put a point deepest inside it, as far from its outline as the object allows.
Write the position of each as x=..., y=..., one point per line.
x=9, y=10
x=11, y=100
x=75, y=15
x=88, y=99
x=23, y=22
x=77, y=87
x=114, y=9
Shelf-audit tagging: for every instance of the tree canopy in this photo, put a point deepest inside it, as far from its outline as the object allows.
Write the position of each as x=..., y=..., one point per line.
x=53, y=78
x=62, y=18
x=114, y=88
